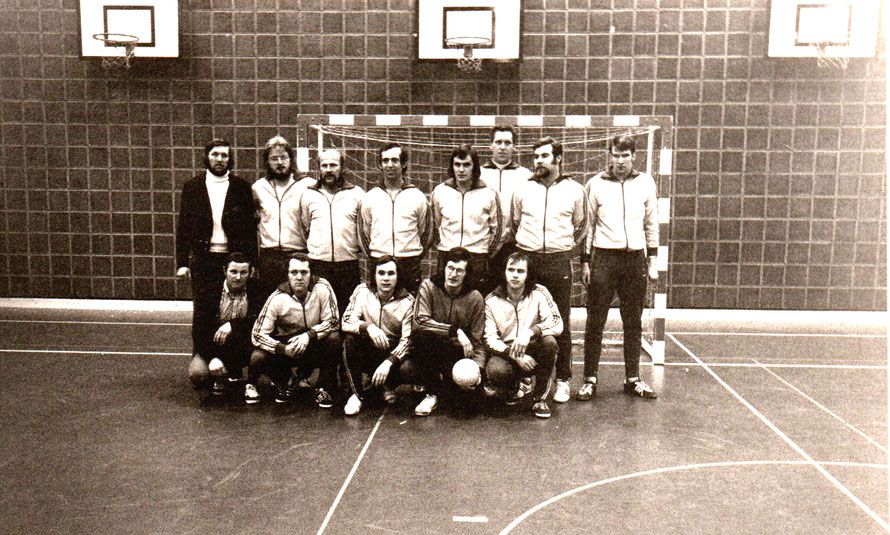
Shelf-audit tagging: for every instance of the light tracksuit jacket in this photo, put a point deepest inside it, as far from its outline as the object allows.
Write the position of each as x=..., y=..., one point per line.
x=399, y=226
x=471, y=220
x=285, y=316
x=278, y=213
x=504, y=181
x=503, y=320
x=330, y=224
x=623, y=214
x=549, y=219
x=394, y=317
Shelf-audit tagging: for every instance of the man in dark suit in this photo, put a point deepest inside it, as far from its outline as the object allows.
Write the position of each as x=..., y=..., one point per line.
x=222, y=322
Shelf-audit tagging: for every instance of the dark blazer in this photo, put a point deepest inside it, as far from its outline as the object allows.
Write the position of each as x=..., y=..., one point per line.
x=195, y=225
x=205, y=320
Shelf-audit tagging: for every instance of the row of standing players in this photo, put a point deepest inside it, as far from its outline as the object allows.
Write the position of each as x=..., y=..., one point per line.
x=484, y=212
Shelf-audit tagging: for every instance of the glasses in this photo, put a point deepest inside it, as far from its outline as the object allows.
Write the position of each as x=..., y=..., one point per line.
x=279, y=158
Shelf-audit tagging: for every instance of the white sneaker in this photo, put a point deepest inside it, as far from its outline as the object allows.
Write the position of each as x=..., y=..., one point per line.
x=389, y=396
x=353, y=406
x=428, y=405
x=563, y=392
x=251, y=396
x=526, y=385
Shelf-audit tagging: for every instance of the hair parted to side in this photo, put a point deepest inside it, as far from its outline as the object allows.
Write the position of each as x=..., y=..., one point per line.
x=302, y=257
x=505, y=128
x=403, y=155
x=279, y=141
x=530, y=279
x=216, y=142
x=557, y=146
x=238, y=258
x=623, y=142
x=462, y=151
x=377, y=262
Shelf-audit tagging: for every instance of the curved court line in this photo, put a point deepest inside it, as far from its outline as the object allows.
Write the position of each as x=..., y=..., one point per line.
x=352, y=472
x=826, y=409
x=518, y=520
x=785, y=438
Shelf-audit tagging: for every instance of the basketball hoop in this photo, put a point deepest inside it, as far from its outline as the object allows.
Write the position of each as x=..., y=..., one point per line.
x=126, y=44
x=468, y=63
x=825, y=60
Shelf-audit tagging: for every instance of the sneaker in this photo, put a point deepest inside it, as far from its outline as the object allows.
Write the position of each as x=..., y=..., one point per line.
x=587, y=391
x=526, y=385
x=389, y=396
x=219, y=387
x=428, y=405
x=283, y=395
x=323, y=399
x=513, y=399
x=353, y=406
x=541, y=409
x=251, y=395
x=563, y=391
x=490, y=391
x=217, y=367
x=640, y=389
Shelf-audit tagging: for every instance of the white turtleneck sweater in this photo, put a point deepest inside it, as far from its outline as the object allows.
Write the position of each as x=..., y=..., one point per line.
x=217, y=187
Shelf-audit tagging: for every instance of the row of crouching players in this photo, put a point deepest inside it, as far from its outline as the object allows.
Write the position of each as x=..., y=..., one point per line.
x=447, y=341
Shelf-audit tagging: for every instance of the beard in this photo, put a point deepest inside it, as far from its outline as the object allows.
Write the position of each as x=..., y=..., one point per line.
x=330, y=180
x=542, y=172
x=275, y=175
x=218, y=170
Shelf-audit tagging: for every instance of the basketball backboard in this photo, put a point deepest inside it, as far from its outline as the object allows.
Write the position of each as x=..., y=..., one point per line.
x=154, y=22
x=843, y=28
x=496, y=22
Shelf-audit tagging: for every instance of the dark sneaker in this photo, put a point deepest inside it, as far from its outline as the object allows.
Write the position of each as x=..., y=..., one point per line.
x=219, y=387
x=513, y=399
x=640, y=389
x=323, y=399
x=587, y=391
x=283, y=395
x=541, y=409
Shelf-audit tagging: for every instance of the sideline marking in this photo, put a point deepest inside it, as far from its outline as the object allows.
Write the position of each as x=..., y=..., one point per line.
x=787, y=439
x=826, y=409
x=748, y=365
x=76, y=322
x=783, y=335
x=358, y=461
x=480, y=519
x=667, y=469
x=110, y=352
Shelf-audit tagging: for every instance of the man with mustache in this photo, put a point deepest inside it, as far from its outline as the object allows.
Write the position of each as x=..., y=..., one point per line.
x=328, y=221
x=550, y=219
x=216, y=218
x=277, y=198
x=619, y=256
x=467, y=214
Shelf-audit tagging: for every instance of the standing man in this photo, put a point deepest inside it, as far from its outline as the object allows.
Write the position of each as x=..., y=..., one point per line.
x=221, y=327
x=521, y=321
x=377, y=330
x=620, y=254
x=329, y=221
x=297, y=328
x=503, y=174
x=277, y=197
x=449, y=322
x=467, y=214
x=394, y=217
x=216, y=218
x=549, y=220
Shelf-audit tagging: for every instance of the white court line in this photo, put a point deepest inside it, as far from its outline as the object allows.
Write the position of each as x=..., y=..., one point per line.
x=787, y=439
x=826, y=409
x=75, y=352
x=518, y=520
x=784, y=335
x=358, y=461
x=479, y=519
x=77, y=322
x=748, y=365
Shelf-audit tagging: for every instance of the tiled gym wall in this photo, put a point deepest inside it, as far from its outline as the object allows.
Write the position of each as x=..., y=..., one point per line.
x=779, y=183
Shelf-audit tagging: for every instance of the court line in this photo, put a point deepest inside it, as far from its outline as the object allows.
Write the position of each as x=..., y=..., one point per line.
x=85, y=322
x=840, y=486
x=783, y=335
x=826, y=409
x=352, y=472
x=518, y=520
x=87, y=352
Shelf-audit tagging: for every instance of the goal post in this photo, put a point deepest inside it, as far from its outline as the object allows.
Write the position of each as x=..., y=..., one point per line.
x=429, y=140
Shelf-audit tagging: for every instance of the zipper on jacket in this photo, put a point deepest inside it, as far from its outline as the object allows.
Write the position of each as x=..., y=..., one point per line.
x=624, y=218
x=544, y=222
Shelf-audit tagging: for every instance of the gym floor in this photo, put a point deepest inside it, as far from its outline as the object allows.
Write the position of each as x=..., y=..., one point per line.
x=760, y=427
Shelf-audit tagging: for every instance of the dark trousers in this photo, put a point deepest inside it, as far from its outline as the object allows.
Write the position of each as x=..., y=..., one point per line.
x=272, y=266
x=361, y=356
x=625, y=273
x=554, y=270
x=504, y=372
x=234, y=353
x=479, y=276
x=343, y=276
x=322, y=354
x=207, y=272
x=434, y=357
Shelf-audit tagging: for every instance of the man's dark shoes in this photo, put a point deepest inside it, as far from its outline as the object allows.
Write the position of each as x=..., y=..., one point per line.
x=640, y=389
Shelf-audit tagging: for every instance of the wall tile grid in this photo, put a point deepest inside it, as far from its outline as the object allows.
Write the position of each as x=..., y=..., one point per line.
x=779, y=187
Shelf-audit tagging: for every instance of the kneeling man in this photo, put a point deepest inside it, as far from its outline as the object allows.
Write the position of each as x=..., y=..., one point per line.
x=521, y=323
x=377, y=330
x=297, y=328
x=221, y=326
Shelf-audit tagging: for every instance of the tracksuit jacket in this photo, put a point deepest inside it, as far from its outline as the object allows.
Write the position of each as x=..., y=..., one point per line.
x=278, y=214
x=400, y=226
x=329, y=225
x=623, y=214
x=285, y=316
x=549, y=219
x=504, y=181
x=471, y=220
x=195, y=224
x=394, y=317
x=503, y=320
x=438, y=313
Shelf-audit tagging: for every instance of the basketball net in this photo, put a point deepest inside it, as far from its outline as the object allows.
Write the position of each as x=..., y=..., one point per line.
x=824, y=60
x=126, y=45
